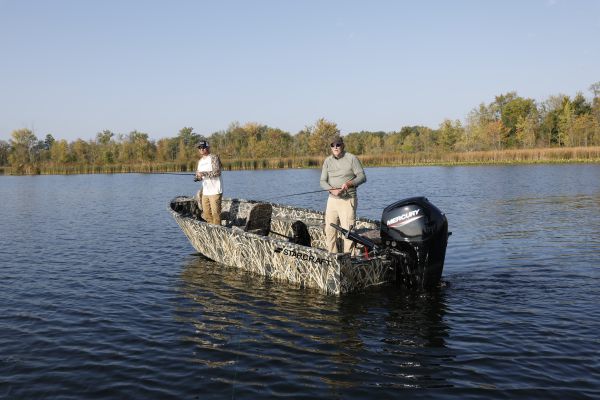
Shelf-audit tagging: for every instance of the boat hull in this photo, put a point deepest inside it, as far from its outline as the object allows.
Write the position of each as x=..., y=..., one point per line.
x=276, y=257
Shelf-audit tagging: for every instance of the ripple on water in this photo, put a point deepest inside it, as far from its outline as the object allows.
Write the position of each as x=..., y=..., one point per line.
x=101, y=296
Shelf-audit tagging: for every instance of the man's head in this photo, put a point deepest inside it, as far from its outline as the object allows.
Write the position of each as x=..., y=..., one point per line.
x=203, y=147
x=337, y=145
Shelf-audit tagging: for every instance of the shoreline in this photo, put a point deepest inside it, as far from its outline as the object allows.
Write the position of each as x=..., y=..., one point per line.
x=155, y=169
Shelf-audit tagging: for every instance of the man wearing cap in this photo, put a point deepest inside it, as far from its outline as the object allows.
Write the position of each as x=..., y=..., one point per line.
x=209, y=172
x=341, y=174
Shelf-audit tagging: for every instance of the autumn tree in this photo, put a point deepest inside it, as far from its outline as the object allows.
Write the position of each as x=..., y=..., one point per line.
x=584, y=130
x=59, y=152
x=301, y=142
x=187, y=141
x=142, y=149
x=551, y=111
x=392, y=142
x=23, y=145
x=320, y=137
x=80, y=151
x=166, y=149
x=278, y=142
x=526, y=131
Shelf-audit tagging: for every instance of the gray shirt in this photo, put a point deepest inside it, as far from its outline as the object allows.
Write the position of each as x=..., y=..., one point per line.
x=337, y=171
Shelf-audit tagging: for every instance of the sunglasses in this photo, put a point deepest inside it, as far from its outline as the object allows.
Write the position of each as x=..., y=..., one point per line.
x=336, y=144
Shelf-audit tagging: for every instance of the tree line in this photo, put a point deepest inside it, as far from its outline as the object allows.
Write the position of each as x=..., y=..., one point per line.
x=508, y=122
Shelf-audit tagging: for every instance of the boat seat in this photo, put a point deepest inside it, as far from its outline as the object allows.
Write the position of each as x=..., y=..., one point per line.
x=259, y=219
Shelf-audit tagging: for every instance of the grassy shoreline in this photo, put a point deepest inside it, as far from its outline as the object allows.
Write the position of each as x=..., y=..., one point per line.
x=564, y=155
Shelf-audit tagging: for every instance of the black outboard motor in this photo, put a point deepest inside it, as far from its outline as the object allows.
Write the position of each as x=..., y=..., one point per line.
x=417, y=228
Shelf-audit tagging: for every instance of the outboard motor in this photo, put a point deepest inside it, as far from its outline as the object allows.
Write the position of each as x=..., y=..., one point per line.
x=418, y=229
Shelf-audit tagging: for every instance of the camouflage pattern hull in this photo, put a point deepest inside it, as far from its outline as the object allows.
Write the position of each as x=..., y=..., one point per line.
x=274, y=255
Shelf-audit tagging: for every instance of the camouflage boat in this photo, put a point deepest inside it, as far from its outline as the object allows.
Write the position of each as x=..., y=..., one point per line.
x=288, y=243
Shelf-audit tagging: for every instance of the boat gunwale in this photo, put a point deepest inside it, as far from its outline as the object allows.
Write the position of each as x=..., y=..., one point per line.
x=238, y=230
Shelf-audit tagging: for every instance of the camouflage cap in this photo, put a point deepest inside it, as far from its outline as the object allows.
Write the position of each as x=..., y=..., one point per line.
x=337, y=139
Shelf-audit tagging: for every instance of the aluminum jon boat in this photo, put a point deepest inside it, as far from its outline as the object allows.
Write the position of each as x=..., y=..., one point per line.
x=285, y=243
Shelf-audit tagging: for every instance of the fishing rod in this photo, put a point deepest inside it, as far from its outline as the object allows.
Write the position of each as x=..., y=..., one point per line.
x=165, y=173
x=298, y=194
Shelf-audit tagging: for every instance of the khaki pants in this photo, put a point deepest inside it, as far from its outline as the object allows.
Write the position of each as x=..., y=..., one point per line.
x=211, y=208
x=341, y=212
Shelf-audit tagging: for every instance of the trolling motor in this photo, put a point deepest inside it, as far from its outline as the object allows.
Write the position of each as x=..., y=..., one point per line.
x=414, y=232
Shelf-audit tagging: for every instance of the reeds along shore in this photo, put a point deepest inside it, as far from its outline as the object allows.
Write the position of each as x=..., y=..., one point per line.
x=525, y=156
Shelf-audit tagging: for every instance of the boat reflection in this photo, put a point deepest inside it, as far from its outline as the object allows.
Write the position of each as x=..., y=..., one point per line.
x=251, y=332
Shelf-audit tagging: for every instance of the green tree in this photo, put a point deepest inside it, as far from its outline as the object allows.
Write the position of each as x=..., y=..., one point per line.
x=411, y=143
x=500, y=102
x=514, y=111
x=105, y=147
x=581, y=105
x=104, y=137
x=4, y=151
x=48, y=141
x=449, y=134
x=365, y=142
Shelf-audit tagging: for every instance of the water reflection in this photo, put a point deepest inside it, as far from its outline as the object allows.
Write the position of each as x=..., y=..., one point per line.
x=251, y=332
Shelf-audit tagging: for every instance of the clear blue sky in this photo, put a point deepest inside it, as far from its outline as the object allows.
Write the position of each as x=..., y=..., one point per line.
x=75, y=68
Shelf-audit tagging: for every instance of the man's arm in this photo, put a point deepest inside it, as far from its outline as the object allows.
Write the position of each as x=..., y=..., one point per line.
x=215, y=163
x=359, y=172
x=324, y=182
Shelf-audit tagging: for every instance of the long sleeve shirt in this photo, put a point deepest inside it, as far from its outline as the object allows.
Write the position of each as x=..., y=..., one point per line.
x=337, y=171
x=210, y=167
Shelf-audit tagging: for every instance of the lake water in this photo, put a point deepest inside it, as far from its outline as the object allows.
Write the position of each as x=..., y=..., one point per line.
x=102, y=296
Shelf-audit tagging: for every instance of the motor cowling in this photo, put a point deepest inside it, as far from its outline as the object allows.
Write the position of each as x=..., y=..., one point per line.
x=418, y=229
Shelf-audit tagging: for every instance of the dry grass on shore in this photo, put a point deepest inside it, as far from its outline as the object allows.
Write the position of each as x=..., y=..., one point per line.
x=513, y=156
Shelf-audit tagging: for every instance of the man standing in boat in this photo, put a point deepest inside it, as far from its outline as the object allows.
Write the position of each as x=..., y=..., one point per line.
x=341, y=174
x=209, y=172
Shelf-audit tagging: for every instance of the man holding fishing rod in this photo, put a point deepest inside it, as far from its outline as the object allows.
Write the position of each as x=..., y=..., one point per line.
x=341, y=174
x=209, y=172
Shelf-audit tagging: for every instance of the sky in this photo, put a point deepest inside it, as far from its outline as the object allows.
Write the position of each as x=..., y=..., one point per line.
x=75, y=68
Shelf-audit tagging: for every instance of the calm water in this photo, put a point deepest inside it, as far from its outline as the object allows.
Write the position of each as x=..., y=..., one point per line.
x=101, y=295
